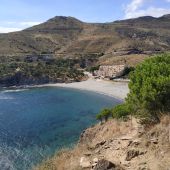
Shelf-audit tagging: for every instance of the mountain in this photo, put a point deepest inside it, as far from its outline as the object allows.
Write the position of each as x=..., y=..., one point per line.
x=70, y=37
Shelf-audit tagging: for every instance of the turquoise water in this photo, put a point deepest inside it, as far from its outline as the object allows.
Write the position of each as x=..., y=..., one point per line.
x=35, y=123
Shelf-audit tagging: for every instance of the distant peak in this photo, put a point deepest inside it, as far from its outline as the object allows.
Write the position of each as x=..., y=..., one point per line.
x=64, y=18
x=146, y=17
x=167, y=16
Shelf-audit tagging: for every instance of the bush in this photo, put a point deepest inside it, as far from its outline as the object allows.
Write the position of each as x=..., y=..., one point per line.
x=99, y=117
x=150, y=87
x=120, y=111
x=127, y=71
x=104, y=114
x=94, y=68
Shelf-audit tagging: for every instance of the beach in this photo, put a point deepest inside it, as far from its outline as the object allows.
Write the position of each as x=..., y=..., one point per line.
x=117, y=90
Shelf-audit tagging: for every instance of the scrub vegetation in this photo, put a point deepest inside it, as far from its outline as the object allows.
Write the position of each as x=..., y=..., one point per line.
x=149, y=96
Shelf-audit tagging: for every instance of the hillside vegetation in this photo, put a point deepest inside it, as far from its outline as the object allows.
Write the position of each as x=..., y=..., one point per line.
x=36, y=70
x=84, y=44
x=70, y=38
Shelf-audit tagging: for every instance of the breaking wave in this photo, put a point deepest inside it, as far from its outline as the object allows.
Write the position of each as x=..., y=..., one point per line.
x=13, y=90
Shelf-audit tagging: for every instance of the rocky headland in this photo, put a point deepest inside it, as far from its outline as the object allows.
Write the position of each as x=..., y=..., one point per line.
x=117, y=145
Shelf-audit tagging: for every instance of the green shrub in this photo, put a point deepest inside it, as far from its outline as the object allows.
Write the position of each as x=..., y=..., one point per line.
x=99, y=117
x=94, y=68
x=120, y=111
x=104, y=114
x=127, y=71
x=150, y=87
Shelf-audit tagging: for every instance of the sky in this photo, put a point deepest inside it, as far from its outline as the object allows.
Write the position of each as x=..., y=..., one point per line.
x=16, y=15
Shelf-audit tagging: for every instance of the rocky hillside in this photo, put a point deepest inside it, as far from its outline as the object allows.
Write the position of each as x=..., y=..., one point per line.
x=117, y=145
x=69, y=37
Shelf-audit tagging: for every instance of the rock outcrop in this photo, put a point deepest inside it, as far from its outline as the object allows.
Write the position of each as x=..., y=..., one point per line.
x=118, y=145
x=110, y=71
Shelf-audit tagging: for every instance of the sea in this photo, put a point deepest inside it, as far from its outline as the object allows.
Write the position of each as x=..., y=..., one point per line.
x=35, y=123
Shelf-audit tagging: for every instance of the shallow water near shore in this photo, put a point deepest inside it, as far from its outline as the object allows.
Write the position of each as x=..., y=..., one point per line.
x=36, y=122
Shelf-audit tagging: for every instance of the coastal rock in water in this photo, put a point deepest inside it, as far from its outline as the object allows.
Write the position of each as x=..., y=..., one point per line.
x=106, y=165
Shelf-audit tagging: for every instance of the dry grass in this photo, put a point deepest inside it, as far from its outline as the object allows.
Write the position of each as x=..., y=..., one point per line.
x=66, y=159
x=69, y=159
x=132, y=60
x=157, y=156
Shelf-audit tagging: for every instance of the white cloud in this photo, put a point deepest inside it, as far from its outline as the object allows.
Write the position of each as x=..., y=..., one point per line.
x=29, y=23
x=134, y=10
x=134, y=5
x=167, y=0
x=12, y=26
x=8, y=29
x=151, y=11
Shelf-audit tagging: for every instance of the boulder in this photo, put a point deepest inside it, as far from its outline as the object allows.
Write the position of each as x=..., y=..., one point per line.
x=132, y=154
x=95, y=160
x=84, y=163
x=101, y=143
x=106, y=165
x=87, y=153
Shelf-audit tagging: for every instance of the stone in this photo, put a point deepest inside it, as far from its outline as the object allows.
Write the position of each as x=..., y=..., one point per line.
x=132, y=154
x=84, y=162
x=106, y=165
x=93, y=165
x=154, y=141
x=100, y=144
x=108, y=71
x=87, y=154
x=134, y=142
x=106, y=147
x=97, y=151
x=95, y=160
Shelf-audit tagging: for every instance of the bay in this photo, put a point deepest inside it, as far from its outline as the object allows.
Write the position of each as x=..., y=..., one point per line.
x=37, y=122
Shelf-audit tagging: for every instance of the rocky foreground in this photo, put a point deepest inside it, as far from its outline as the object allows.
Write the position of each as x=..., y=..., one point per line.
x=117, y=145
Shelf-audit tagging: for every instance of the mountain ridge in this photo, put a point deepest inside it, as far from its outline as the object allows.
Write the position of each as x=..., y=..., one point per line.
x=69, y=37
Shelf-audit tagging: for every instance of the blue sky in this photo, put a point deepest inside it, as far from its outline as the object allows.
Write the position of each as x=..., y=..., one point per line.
x=19, y=14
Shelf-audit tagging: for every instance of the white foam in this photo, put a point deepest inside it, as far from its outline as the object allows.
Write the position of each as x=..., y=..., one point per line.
x=14, y=90
x=6, y=97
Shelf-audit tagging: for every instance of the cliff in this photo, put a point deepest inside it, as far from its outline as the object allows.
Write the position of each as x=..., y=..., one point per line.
x=110, y=71
x=117, y=145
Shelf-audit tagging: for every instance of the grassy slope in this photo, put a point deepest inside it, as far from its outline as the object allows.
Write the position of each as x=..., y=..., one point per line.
x=66, y=36
x=153, y=145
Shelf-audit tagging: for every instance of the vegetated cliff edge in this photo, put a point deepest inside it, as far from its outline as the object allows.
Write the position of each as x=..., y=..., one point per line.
x=35, y=70
x=117, y=145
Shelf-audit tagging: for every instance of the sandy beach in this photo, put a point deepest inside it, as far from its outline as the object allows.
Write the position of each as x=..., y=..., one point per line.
x=117, y=90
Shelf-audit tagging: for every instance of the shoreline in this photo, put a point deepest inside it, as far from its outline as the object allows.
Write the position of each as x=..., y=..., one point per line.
x=118, y=90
